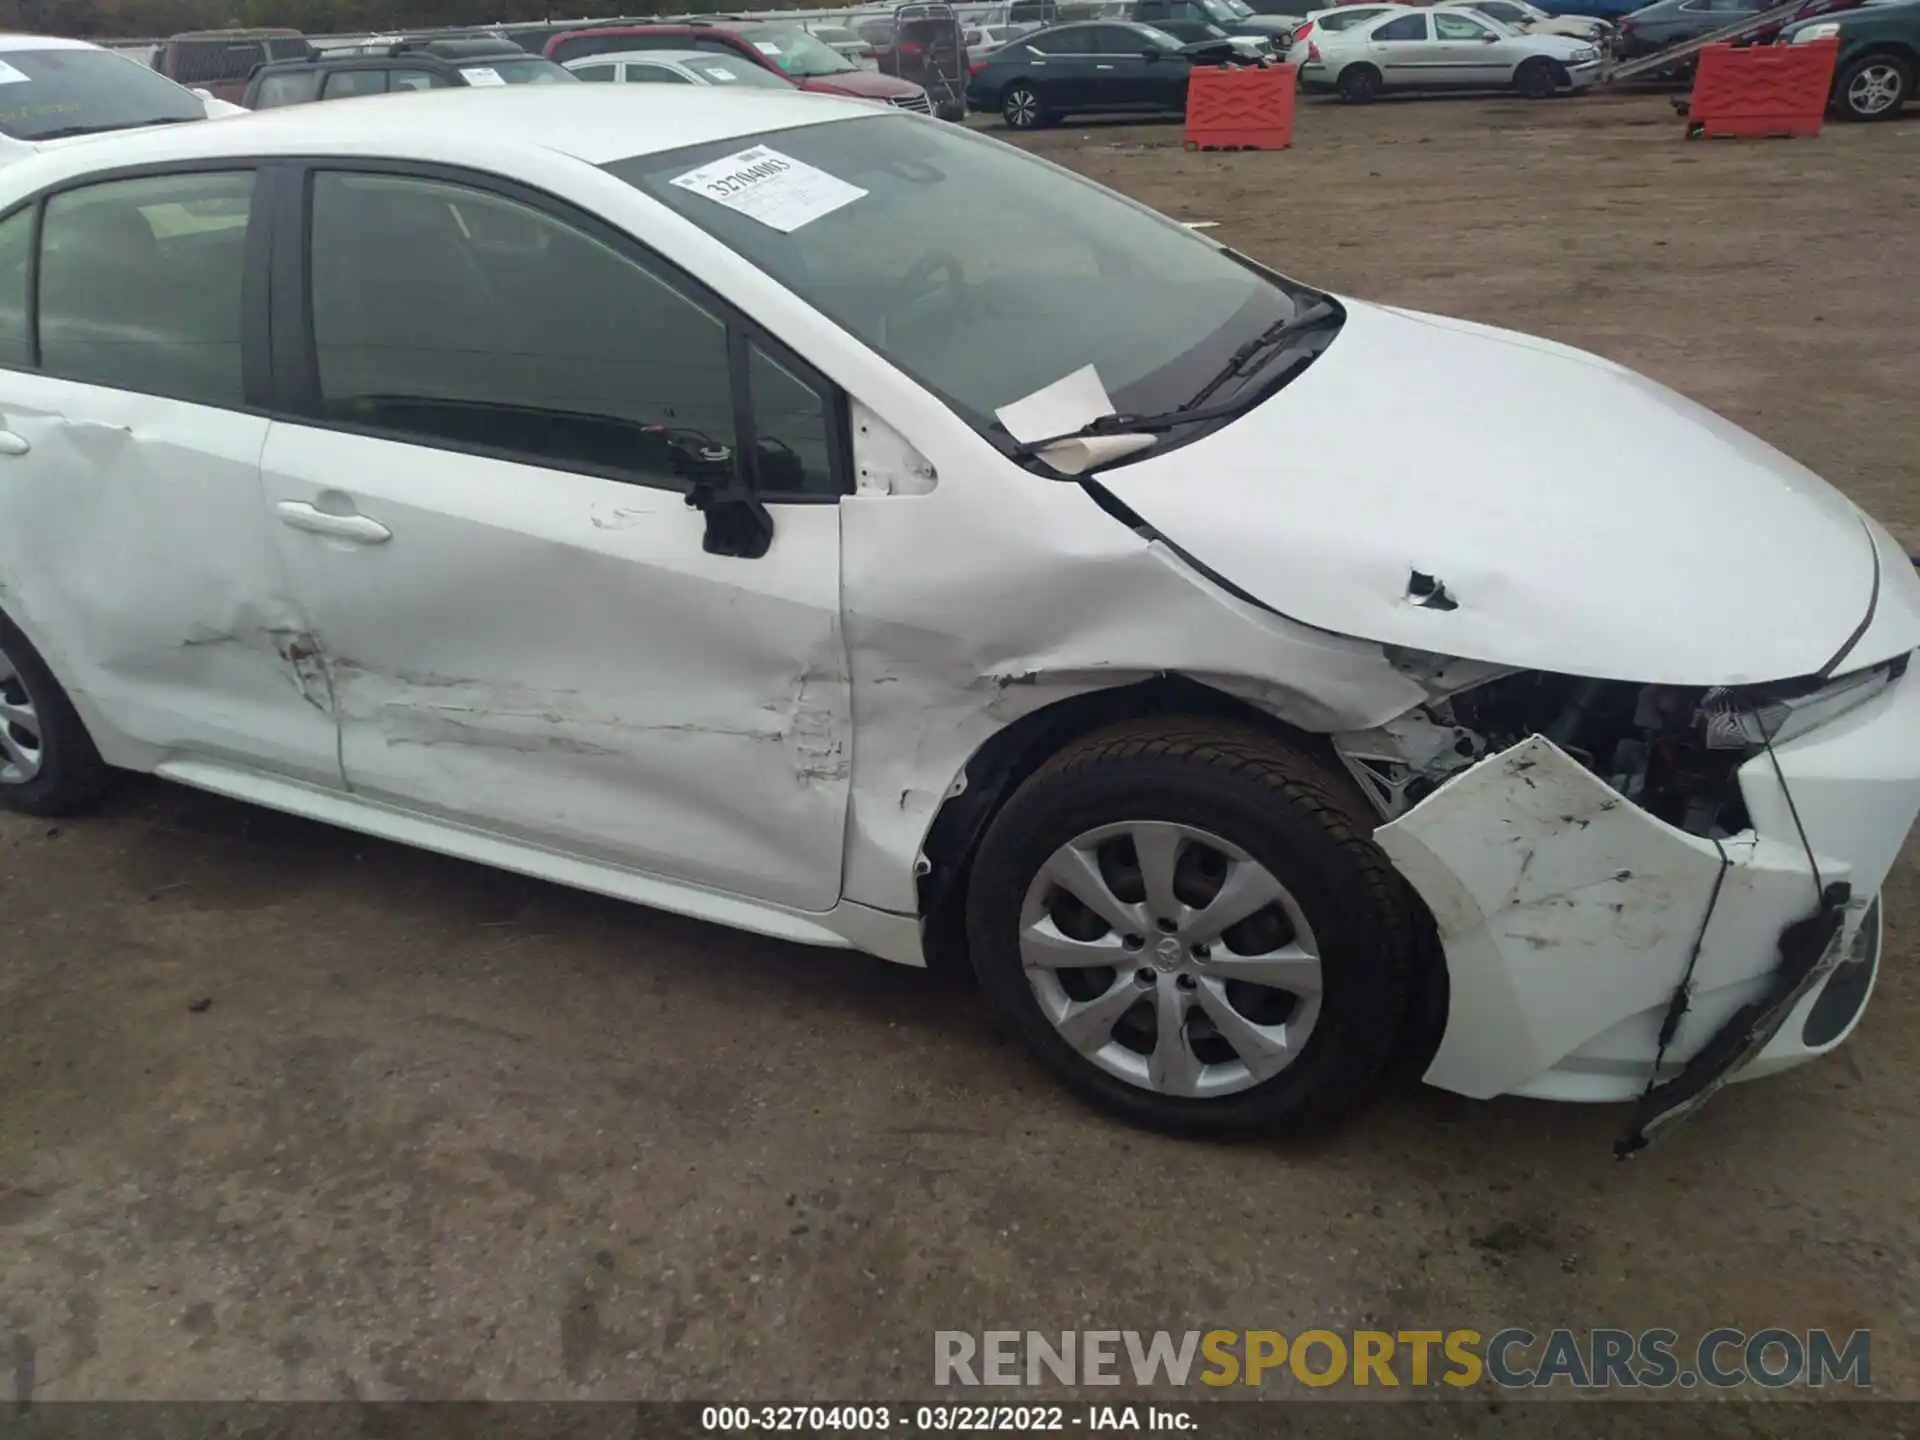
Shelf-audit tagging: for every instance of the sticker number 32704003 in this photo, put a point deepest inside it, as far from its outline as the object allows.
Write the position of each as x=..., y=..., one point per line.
x=777, y=190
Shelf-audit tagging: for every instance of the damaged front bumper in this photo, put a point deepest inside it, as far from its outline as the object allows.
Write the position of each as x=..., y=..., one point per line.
x=1570, y=917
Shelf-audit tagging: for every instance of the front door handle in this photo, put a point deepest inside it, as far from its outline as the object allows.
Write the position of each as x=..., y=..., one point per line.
x=302, y=516
x=12, y=444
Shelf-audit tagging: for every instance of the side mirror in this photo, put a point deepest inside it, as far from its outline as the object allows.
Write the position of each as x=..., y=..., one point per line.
x=738, y=524
x=1488, y=39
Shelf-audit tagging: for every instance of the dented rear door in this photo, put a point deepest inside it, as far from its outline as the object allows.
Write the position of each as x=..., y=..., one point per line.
x=134, y=550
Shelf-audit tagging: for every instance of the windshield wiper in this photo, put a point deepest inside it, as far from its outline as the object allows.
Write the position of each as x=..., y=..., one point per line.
x=65, y=132
x=1195, y=411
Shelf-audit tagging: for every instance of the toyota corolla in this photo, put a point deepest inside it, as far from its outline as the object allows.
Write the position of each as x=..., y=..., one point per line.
x=845, y=527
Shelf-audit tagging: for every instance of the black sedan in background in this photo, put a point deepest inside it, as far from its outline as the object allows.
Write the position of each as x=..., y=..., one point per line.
x=1105, y=67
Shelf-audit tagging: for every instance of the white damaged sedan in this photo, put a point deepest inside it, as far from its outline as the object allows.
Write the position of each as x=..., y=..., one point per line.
x=845, y=527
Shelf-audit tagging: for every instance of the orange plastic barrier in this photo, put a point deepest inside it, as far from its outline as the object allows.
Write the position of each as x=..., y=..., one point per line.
x=1762, y=89
x=1240, y=107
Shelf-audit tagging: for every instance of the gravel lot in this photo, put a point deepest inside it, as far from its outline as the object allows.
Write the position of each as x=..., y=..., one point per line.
x=443, y=1132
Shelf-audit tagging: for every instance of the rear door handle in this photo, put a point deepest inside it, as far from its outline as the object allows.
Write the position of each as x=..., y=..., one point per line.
x=302, y=516
x=12, y=444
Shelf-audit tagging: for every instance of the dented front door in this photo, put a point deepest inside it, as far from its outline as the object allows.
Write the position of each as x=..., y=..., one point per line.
x=553, y=656
x=135, y=555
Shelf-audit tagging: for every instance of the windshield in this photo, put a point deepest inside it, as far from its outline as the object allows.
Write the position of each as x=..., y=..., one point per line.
x=982, y=304
x=48, y=93
x=735, y=70
x=797, y=52
x=1240, y=8
x=1220, y=12
x=1160, y=37
x=834, y=35
x=530, y=71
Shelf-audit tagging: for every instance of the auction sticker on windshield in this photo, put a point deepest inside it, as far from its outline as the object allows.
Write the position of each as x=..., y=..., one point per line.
x=777, y=190
x=482, y=75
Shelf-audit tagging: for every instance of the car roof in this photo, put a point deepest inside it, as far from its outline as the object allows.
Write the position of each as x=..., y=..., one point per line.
x=594, y=123
x=635, y=57
x=43, y=42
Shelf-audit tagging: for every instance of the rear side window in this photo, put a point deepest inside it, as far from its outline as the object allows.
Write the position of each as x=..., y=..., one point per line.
x=1407, y=27
x=300, y=87
x=201, y=62
x=16, y=245
x=655, y=75
x=575, y=48
x=140, y=285
x=599, y=74
x=418, y=80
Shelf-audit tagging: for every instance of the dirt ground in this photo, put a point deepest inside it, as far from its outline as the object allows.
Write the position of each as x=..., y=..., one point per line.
x=443, y=1132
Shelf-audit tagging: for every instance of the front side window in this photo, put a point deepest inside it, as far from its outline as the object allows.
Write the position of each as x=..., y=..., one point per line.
x=797, y=52
x=448, y=315
x=1457, y=27
x=982, y=304
x=289, y=87
x=655, y=75
x=140, y=285
x=735, y=70
x=531, y=71
x=1342, y=19
x=52, y=93
x=345, y=84
x=1406, y=27
x=417, y=80
x=1073, y=40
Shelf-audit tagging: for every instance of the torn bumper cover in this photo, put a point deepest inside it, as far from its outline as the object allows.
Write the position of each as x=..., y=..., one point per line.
x=1570, y=917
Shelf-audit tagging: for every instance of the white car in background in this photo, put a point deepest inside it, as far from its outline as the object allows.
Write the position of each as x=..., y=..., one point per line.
x=841, y=38
x=706, y=499
x=1532, y=20
x=1409, y=48
x=54, y=91
x=679, y=67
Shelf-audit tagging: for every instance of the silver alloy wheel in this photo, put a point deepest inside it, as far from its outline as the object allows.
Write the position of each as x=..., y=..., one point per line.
x=1874, y=89
x=1023, y=109
x=1171, y=959
x=21, y=744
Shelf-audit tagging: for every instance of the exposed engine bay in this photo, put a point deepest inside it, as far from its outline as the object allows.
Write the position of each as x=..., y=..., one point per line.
x=1672, y=750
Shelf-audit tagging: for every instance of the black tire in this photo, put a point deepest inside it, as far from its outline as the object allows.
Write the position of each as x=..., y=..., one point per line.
x=1306, y=825
x=1855, y=99
x=1021, y=109
x=1360, y=84
x=1537, y=79
x=70, y=774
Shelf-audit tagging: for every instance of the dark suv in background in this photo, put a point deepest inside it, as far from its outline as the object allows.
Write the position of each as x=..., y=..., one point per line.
x=219, y=61
x=408, y=65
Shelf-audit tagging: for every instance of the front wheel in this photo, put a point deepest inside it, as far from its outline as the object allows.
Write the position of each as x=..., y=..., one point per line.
x=1873, y=87
x=1359, y=84
x=1021, y=109
x=1537, y=79
x=1188, y=922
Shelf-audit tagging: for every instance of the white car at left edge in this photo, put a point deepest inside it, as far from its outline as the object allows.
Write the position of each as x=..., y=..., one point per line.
x=55, y=92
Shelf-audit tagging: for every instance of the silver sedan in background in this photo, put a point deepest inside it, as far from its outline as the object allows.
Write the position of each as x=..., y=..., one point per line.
x=1404, y=48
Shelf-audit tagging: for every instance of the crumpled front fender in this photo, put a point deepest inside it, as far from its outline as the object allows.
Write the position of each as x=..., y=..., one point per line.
x=1564, y=908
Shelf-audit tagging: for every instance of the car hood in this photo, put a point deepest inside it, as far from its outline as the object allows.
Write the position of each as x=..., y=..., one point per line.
x=1575, y=516
x=867, y=84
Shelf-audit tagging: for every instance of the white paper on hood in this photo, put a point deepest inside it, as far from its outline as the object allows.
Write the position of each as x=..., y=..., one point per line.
x=777, y=190
x=11, y=76
x=482, y=75
x=1057, y=409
